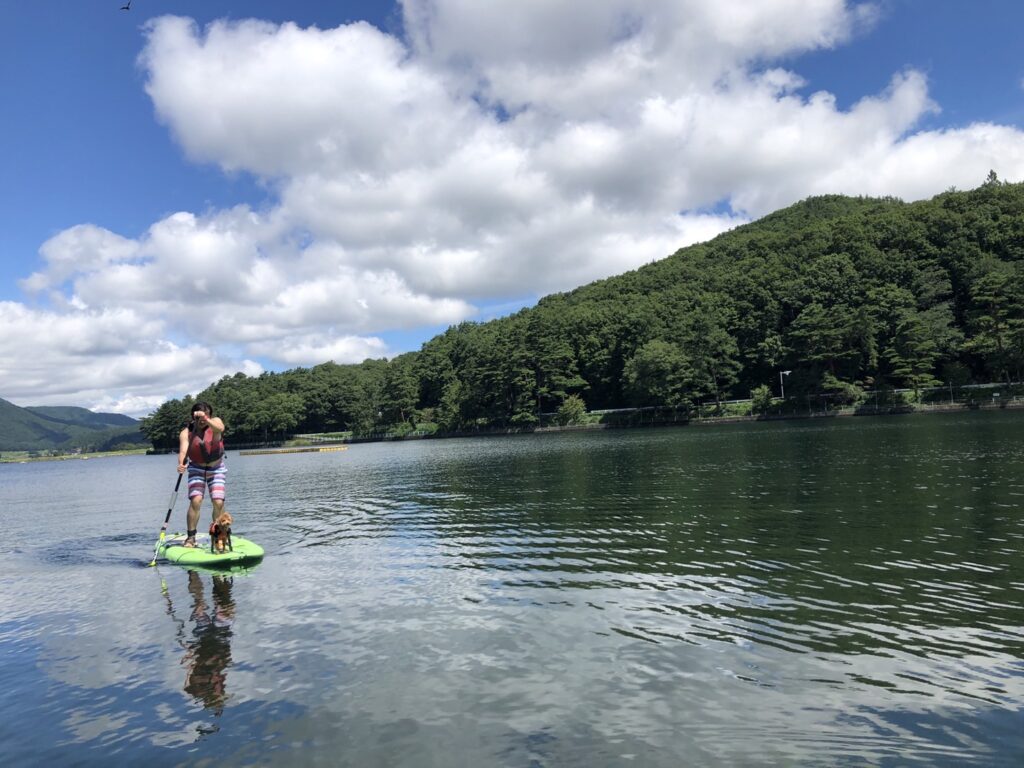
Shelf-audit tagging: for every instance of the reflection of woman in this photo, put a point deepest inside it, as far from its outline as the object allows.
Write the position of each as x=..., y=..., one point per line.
x=208, y=654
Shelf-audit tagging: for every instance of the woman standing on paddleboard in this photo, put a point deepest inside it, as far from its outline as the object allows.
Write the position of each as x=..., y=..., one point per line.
x=202, y=444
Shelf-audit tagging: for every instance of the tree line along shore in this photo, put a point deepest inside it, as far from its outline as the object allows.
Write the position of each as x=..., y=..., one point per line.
x=837, y=301
x=975, y=397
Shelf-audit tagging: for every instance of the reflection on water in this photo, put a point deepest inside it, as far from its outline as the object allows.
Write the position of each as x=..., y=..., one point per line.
x=206, y=639
x=801, y=593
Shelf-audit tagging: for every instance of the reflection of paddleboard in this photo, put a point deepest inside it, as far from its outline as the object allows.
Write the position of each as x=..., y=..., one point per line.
x=244, y=552
x=232, y=569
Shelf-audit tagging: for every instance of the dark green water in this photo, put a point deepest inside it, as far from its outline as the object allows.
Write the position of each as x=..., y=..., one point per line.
x=815, y=593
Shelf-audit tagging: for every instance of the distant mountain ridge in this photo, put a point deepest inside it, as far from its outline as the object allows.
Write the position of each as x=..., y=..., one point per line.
x=65, y=428
x=70, y=414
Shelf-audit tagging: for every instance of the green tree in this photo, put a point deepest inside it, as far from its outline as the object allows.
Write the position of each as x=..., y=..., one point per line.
x=437, y=363
x=996, y=320
x=886, y=305
x=913, y=352
x=399, y=391
x=552, y=359
x=163, y=426
x=276, y=414
x=710, y=348
x=761, y=399
x=516, y=375
x=449, y=412
x=658, y=374
x=826, y=337
x=489, y=379
x=571, y=411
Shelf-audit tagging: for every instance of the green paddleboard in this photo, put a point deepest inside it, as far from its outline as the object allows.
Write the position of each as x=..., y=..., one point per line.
x=243, y=552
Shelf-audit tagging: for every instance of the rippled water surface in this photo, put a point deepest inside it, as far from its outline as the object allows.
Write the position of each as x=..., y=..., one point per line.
x=841, y=593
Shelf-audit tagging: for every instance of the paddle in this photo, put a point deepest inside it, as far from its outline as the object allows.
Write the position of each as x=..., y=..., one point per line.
x=170, y=509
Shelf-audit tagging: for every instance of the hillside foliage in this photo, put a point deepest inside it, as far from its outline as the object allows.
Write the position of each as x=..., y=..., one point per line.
x=65, y=428
x=848, y=294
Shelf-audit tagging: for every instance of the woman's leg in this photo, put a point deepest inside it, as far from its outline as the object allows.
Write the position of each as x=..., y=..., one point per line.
x=196, y=489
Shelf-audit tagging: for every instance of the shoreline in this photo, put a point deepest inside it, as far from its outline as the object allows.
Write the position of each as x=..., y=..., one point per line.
x=68, y=457
x=698, y=422
x=839, y=413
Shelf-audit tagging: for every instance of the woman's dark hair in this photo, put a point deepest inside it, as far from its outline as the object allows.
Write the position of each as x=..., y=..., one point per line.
x=200, y=406
x=204, y=407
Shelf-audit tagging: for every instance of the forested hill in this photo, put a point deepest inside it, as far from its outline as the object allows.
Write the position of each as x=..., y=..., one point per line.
x=82, y=417
x=64, y=428
x=849, y=294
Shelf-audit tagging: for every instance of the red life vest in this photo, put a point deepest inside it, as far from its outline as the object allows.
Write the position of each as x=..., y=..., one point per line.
x=203, y=449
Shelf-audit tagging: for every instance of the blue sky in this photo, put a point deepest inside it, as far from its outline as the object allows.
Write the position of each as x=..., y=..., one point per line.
x=81, y=141
x=187, y=193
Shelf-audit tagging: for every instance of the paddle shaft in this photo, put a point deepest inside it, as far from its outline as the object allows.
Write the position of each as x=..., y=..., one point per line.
x=170, y=507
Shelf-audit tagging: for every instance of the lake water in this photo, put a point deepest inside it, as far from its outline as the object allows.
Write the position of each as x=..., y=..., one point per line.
x=840, y=592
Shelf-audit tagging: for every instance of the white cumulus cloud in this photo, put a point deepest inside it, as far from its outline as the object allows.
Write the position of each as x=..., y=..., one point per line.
x=45, y=356
x=495, y=151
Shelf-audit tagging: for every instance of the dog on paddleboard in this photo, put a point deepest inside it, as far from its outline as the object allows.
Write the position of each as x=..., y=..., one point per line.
x=220, y=534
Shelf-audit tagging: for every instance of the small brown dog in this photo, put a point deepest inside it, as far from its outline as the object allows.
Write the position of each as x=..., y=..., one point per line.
x=220, y=533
